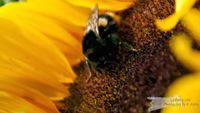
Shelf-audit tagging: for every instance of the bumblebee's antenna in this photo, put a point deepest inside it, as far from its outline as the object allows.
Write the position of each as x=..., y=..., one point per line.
x=93, y=21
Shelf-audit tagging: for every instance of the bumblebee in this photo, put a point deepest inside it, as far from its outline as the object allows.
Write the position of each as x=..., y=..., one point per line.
x=101, y=39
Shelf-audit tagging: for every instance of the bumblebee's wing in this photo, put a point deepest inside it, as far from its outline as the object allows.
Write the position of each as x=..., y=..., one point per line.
x=93, y=21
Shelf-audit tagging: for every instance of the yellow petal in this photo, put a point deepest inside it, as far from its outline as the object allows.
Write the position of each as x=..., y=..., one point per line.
x=192, y=22
x=167, y=23
x=14, y=104
x=55, y=9
x=23, y=74
x=111, y=5
x=58, y=31
x=183, y=6
x=181, y=47
x=32, y=65
x=30, y=46
x=62, y=37
x=33, y=59
x=188, y=88
x=18, y=88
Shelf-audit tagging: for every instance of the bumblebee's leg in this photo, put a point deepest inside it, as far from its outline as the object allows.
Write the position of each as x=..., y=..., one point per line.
x=89, y=68
x=114, y=39
x=100, y=71
x=127, y=46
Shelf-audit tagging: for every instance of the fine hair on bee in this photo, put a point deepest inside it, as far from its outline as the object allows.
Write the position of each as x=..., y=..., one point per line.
x=101, y=40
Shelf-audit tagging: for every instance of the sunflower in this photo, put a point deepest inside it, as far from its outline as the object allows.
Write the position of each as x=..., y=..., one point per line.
x=187, y=87
x=40, y=42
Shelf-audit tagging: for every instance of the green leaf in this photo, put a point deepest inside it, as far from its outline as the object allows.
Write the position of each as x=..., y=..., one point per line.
x=3, y=2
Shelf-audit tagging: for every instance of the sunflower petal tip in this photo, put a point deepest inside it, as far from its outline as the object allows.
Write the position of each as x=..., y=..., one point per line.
x=163, y=26
x=167, y=23
x=180, y=42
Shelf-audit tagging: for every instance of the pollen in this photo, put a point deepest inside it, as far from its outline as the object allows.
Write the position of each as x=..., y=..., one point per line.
x=103, y=22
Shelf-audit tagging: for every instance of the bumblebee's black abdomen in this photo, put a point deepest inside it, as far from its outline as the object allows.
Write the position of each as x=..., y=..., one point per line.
x=89, y=42
x=102, y=51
